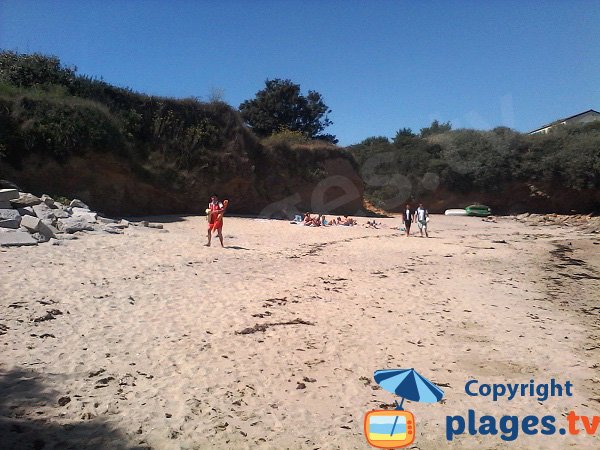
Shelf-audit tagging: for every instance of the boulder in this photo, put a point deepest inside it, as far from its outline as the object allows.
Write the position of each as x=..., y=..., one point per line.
x=40, y=237
x=74, y=224
x=35, y=225
x=7, y=195
x=25, y=199
x=43, y=211
x=5, y=184
x=49, y=201
x=26, y=211
x=112, y=228
x=16, y=238
x=61, y=214
x=10, y=218
x=85, y=213
x=76, y=203
x=5, y=205
x=106, y=220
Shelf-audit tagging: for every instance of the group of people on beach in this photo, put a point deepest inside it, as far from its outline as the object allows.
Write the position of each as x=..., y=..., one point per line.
x=216, y=210
x=321, y=221
x=420, y=216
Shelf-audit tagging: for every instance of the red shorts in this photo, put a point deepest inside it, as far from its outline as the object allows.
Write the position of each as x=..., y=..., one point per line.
x=216, y=225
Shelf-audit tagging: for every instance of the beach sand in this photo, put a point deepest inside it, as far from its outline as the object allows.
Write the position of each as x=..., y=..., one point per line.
x=151, y=340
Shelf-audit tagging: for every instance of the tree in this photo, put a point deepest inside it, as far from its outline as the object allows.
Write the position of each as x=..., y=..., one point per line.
x=436, y=128
x=281, y=106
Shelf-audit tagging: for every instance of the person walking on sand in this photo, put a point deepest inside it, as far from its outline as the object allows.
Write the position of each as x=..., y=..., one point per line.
x=215, y=218
x=408, y=218
x=421, y=217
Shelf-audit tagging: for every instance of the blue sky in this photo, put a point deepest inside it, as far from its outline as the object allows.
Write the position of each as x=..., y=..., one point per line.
x=379, y=65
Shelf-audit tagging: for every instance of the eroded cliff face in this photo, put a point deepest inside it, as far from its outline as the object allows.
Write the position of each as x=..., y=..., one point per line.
x=269, y=186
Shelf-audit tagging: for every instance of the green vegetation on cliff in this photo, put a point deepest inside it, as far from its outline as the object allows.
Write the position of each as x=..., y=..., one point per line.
x=183, y=146
x=469, y=165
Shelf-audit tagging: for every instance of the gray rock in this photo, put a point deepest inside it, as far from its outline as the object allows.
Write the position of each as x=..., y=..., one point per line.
x=43, y=211
x=35, y=226
x=7, y=195
x=106, y=220
x=124, y=222
x=61, y=214
x=40, y=237
x=76, y=203
x=10, y=218
x=5, y=205
x=16, y=238
x=113, y=229
x=67, y=237
x=26, y=211
x=158, y=226
x=85, y=214
x=31, y=223
x=26, y=199
x=49, y=201
x=5, y=184
x=74, y=224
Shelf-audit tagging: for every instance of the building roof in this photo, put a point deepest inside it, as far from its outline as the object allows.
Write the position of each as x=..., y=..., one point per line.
x=564, y=120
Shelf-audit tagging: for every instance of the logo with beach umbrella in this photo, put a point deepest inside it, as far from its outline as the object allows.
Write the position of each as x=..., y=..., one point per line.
x=396, y=428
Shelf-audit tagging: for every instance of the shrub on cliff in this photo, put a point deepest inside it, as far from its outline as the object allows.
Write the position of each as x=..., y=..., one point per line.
x=464, y=161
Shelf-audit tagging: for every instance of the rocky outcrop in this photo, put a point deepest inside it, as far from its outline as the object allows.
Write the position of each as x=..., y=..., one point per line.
x=50, y=220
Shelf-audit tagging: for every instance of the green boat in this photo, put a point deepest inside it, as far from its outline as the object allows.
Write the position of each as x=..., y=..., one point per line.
x=478, y=210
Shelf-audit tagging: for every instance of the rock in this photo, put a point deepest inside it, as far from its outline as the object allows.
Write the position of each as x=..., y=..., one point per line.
x=106, y=220
x=67, y=237
x=26, y=211
x=49, y=201
x=111, y=228
x=5, y=184
x=158, y=226
x=10, y=218
x=523, y=216
x=40, y=237
x=124, y=222
x=61, y=213
x=76, y=203
x=144, y=223
x=31, y=223
x=16, y=238
x=6, y=195
x=43, y=211
x=35, y=225
x=6, y=205
x=85, y=213
x=74, y=224
x=25, y=199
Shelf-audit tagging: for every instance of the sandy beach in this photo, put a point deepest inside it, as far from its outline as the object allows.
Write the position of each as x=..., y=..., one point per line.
x=151, y=340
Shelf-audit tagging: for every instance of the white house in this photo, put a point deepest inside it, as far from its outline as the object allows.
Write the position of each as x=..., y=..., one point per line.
x=581, y=118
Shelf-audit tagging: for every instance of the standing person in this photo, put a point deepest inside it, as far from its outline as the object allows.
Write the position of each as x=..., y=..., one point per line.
x=408, y=218
x=421, y=216
x=215, y=219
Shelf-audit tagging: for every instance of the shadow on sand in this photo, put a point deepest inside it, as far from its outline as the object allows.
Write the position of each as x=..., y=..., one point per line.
x=24, y=426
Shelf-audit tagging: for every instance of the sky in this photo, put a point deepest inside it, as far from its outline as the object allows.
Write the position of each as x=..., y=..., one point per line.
x=380, y=66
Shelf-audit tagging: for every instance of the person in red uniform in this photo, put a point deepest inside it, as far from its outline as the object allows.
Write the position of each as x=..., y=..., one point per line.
x=215, y=219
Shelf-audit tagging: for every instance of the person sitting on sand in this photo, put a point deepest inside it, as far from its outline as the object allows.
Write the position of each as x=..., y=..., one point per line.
x=215, y=219
x=349, y=221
